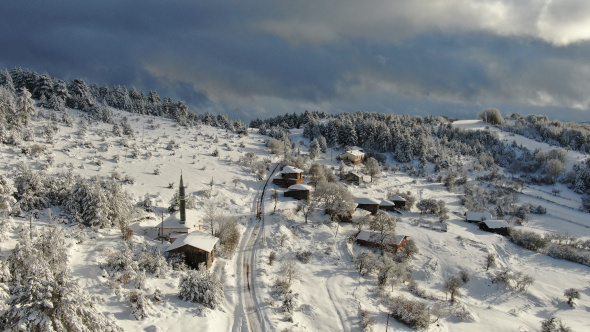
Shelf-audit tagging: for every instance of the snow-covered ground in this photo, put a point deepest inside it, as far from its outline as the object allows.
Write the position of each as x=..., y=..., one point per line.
x=329, y=292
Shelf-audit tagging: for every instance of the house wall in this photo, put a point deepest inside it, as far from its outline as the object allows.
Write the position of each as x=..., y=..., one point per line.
x=298, y=194
x=195, y=256
x=167, y=231
x=373, y=208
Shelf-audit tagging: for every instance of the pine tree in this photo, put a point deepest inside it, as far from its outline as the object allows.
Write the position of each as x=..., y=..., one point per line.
x=25, y=106
x=201, y=286
x=6, y=195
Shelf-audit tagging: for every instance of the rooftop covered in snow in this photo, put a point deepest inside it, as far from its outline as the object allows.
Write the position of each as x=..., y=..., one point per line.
x=196, y=239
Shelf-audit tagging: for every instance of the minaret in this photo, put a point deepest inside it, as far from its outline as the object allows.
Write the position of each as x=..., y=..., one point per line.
x=182, y=201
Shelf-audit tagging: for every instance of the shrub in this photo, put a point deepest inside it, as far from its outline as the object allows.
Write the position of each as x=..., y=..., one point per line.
x=529, y=240
x=412, y=313
x=201, y=286
x=304, y=256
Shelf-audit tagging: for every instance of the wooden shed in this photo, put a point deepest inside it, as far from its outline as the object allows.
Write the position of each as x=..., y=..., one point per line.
x=399, y=201
x=387, y=205
x=495, y=226
x=198, y=247
x=289, y=176
x=298, y=191
x=368, y=204
x=354, y=177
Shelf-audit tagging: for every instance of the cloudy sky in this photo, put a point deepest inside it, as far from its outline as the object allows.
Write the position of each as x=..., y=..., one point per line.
x=261, y=58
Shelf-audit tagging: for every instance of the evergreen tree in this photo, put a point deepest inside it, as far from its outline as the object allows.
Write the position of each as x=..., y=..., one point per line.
x=25, y=106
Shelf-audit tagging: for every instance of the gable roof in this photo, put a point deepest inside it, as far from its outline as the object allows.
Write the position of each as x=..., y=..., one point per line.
x=397, y=198
x=173, y=220
x=195, y=239
x=299, y=187
x=366, y=200
x=386, y=203
x=493, y=224
x=291, y=170
x=356, y=153
x=478, y=216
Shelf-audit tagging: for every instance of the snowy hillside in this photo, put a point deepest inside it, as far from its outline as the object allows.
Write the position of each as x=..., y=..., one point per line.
x=327, y=291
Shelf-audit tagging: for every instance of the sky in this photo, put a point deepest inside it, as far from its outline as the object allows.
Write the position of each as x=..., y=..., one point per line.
x=254, y=58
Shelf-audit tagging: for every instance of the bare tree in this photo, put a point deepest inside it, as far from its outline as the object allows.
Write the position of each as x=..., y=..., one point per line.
x=289, y=270
x=571, y=294
x=490, y=261
x=212, y=215
x=306, y=207
x=335, y=199
x=236, y=180
x=452, y=286
x=373, y=167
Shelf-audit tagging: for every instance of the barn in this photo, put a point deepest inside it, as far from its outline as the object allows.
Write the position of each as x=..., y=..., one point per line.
x=198, y=247
x=289, y=176
x=495, y=226
x=298, y=191
x=368, y=204
x=354, y=176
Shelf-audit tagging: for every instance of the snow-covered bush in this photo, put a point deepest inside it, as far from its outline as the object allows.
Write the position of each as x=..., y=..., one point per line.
x=141, y=306
x=569, y=253
x=527, y=239
x=123, y=260
x=229, y=236
x=412, y=313
x=365, y=262
x=571, y=294
x=154, y=263
x=201, y=286
x=304, y=256
x=554, y=325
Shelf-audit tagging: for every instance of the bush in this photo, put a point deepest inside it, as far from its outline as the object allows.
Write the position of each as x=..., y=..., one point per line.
x=141, y=306
x=491, y=116
x=304, y=256
x=412, y=313
x=201, y=286
x=529, y=240
x=554, y=325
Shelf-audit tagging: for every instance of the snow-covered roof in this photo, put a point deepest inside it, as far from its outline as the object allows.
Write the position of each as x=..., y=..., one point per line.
x=360, y=213
x=195, y=239
x=365, y=200
x=492, y=224
x=397, y=198
x=291, y=170
x=386, y=203
x=173, y=220
x=299, y=187
x=358, y=174
x=356, y=153
x=478, y=216
x=375, y=237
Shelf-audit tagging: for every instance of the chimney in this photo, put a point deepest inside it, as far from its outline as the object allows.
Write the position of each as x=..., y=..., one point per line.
x=182, y=201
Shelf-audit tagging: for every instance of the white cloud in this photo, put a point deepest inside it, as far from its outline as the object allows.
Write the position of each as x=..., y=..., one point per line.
x=558, y=22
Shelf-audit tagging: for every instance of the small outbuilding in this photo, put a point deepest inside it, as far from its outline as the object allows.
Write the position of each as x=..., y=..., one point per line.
x=289, y=176
x=477, y=217
x=298, y=191
x=495, y=226
x=354, y=176
x=373, y=239
x=399, y=201
x=198, y=247
x=368, y=204
x=387, y=205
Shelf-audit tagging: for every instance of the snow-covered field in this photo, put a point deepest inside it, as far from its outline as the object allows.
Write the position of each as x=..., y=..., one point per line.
x=330, y=293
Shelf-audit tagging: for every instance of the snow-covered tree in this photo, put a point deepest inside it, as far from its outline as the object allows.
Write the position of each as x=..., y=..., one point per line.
x=25, y=107
x=571, y=294
x=452, y=286
x=6, y=195
x=201, y=286
x=57, y=304
x=141, y=306
x=335, y=199
x=373, y=167
x=289, y=270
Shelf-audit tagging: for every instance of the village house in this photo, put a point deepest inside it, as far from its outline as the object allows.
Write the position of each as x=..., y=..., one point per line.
x=198, y=247
x=495, y=226
x=373, y=239
x=477, y=217
x=298, y=191
x=355, y=157
x=354, y=176
x=368, y=204
x=289, y=176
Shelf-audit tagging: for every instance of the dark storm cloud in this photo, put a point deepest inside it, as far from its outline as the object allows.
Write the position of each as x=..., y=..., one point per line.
x=254, y=59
